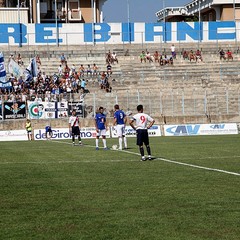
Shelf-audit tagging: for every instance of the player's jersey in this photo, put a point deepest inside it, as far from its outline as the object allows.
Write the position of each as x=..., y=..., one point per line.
x=74, y=121
x=119, y=115
x=48, y=128
x=141, y=120
x=100, y=121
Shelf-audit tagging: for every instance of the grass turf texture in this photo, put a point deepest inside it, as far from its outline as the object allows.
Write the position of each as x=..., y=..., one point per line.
x=52, y=190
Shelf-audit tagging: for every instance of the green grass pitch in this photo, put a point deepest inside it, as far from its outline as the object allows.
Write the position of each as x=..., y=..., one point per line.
x=52, y=190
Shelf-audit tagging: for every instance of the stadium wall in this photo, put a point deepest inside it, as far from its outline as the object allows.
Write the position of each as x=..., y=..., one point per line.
x=117, y=33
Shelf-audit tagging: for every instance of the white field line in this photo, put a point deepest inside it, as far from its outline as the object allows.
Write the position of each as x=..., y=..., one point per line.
x=181, y=163
x=133, y=153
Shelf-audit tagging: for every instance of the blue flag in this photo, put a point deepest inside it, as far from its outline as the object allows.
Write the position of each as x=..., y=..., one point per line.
x=31, y=70
x=4, y=83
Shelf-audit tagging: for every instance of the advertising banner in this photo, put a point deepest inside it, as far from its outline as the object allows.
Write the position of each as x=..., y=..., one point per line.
x=200, y=129
x=13, y=135
x=77, y=106
x=129, y=132
x=47, y=110
x=63, y=133
x=15, y=110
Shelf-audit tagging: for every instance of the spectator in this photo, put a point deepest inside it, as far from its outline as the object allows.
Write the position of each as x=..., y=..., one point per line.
x=38, y=60
x=149, y=57
x=229, y=55
x=143, y=57
x=173, y=51
x=60, y=70
x=156, y=56
x=199, y=56
x=109, y=70
x=83, y=85
x=19, y=60
x=62, y=59
x=81, y=71
x=89, y=70
x=95, y=69
x=108, y=57
x=222, y=54
x=114, y=58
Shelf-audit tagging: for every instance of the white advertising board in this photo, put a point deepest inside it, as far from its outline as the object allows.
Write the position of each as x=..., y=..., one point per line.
x=63, y=133
x=200, y=129
x=129, y=132
x=13, y=135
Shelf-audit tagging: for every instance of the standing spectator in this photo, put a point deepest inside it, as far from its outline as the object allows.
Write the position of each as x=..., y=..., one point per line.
x=62, y=59
x=114, y=57
x=173, y=51
x=100, y=125
x=28, y=126
x=60, y=70
x=83, y=85
x=156, y=56
x=19, y=60
x=38, y=60
x=109, y=70
x=143, y=57
x=229, y=55
x=119, y=121
x=141, y=126
x=222, y=54
x=74, y=127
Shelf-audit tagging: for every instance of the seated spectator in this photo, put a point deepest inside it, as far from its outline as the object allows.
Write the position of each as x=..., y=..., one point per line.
x=185, y=55
x=165, y=60
x=156, y=56
x=95, y=69
x=73, y=69
x=199, y=56
x=229, y=55
x=143, y=57
x=149, y=57
x=62, y=59
x=89, y=70
x=19, y=60
x=114, y=58
x=171, y=60
x=222, y=55
x=191, y=56
x=161, y=61
x=81, y=71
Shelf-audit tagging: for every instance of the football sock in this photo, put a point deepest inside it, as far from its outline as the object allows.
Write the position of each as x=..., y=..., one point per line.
x=97, y=141
x=120, y=142
x=141, y=150
x=104, y=143
x=148, y=150
x=125, y=142
x=73, y=138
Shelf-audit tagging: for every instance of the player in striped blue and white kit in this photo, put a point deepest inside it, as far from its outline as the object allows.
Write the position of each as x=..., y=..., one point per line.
x=120, y=120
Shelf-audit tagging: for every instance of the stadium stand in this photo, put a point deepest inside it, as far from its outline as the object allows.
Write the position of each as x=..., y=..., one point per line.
x=185, y=92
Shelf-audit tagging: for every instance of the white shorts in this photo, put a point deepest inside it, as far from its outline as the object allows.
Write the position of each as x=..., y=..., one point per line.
x=120, y=129
x=101, y=133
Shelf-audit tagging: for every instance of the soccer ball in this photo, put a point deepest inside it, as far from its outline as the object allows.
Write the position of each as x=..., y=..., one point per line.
x=114, y=147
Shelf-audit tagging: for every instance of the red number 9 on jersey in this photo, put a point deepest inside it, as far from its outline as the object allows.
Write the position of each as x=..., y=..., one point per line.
x=143, y=119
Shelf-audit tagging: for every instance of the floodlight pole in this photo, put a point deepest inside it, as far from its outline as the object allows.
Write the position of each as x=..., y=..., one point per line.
x=164, y=21
x=199, y=22
x=128, y=21
x=56, y=22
